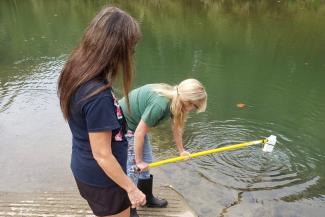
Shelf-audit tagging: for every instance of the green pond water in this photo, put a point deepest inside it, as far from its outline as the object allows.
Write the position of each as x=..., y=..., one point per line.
x=269, y=55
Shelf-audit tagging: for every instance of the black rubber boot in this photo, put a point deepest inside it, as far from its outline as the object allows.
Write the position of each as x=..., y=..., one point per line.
x=145, y=185
x=134, y=212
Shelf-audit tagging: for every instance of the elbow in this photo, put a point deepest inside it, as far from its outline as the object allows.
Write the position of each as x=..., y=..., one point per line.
x=101, y=157
x=139, y=133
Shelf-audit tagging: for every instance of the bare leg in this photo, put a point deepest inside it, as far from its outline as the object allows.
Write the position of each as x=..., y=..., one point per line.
x=124, y=213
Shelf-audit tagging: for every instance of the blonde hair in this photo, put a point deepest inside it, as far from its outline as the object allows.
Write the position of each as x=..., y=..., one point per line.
x=189, y=90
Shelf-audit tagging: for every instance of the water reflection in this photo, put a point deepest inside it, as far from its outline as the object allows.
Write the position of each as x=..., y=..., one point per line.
x=266, y=54
x=35, y=79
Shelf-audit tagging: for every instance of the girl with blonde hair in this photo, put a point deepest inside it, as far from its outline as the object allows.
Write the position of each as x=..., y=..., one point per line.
x=150, y=105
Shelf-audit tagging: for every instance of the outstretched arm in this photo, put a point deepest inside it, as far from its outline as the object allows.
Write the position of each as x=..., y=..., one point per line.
x=178, y=139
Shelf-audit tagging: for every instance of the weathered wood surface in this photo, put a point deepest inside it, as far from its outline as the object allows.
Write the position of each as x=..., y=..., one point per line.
x=68, y=204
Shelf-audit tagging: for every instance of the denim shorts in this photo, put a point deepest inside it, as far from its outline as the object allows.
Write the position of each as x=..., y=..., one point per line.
x=147, y=157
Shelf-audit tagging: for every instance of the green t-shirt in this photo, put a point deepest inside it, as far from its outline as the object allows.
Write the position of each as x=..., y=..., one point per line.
x=147, y=105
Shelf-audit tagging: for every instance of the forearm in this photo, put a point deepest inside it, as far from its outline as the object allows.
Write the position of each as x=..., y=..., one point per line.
x=178, y=138
x=102, y=152
x=179, y=144
x=138, y=146
x=113, y=170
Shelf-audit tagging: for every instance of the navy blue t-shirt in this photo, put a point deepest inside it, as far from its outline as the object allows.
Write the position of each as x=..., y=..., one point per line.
x=95, y=114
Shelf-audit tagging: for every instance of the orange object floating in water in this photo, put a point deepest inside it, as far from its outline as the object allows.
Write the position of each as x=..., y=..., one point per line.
x=241, y=105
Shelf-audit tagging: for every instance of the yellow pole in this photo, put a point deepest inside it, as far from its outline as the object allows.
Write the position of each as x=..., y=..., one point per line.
x=198, y=154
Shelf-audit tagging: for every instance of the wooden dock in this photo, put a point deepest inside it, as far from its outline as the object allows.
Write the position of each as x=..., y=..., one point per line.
x=70, y=204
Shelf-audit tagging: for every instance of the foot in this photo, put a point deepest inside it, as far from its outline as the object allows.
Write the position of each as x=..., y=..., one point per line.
x=156, y=202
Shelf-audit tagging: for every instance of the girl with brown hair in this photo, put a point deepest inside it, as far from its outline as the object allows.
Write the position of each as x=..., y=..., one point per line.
x=99, y=147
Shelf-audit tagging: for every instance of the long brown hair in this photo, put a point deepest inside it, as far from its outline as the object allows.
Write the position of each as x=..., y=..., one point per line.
x=106, y=48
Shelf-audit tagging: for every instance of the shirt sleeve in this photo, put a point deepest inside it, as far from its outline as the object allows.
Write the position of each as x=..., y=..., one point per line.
x=100, y=114
x=152, y=115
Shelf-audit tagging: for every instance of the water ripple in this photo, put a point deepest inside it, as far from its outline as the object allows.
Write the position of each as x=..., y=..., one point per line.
x=250, y=169
x=34, y=79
